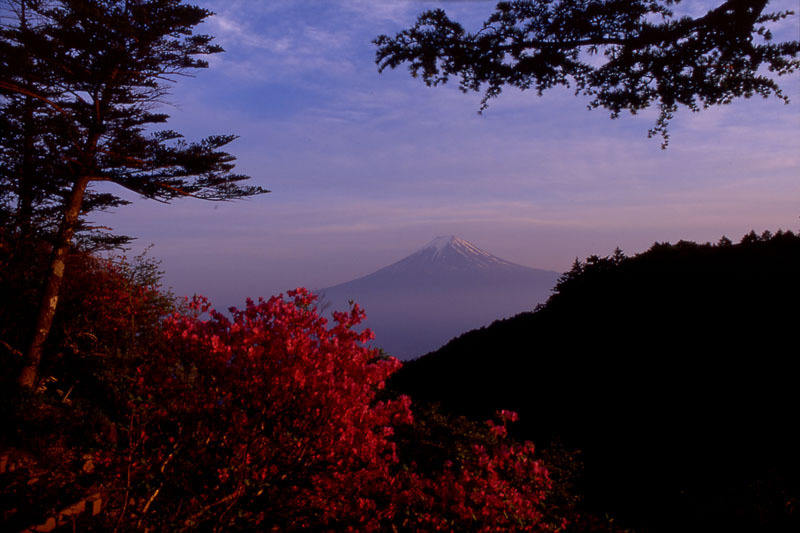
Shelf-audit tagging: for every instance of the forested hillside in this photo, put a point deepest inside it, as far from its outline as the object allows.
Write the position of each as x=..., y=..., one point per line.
x=674, y=371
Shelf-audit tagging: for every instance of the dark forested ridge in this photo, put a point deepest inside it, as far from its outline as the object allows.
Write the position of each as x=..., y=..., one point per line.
x=673, y=371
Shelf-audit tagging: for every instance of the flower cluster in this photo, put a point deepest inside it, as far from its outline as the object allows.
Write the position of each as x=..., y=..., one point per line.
x=274, y=420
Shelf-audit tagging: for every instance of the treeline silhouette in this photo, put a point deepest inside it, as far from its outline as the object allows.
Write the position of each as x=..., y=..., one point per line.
x=674, y=372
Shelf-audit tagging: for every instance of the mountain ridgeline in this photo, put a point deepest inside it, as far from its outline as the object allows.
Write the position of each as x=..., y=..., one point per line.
x=675, y=372
x=445, y=288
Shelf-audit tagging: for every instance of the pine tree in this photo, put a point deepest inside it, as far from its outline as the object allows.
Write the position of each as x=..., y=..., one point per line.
x=79, y=82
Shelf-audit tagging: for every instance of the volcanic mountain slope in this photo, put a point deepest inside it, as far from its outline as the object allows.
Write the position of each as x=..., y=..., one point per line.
x=445, y=288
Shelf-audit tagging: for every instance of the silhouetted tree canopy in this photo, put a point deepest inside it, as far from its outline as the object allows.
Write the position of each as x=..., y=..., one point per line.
x=649, y=55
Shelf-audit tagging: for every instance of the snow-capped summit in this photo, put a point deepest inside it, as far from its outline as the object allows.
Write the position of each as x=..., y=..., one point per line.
x=445, y=288
x=454, y=248
x=446, y=262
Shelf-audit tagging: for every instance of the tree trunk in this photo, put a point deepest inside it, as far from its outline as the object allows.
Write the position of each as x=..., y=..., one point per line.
x=55, y=274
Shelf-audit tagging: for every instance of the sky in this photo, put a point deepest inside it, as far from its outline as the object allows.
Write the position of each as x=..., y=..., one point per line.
x=366, y=168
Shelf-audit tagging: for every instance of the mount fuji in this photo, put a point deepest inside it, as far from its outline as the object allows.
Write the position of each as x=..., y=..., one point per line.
x=446, y=288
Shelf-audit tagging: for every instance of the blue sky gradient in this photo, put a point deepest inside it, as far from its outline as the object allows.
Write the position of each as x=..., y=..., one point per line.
x=365, y=168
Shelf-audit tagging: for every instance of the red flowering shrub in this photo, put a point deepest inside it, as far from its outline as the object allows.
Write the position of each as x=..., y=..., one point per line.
x=270, y=420
x=108, y=304
x=106, y=307
x=110, y=310
x=492, y=490
x=472, y=478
